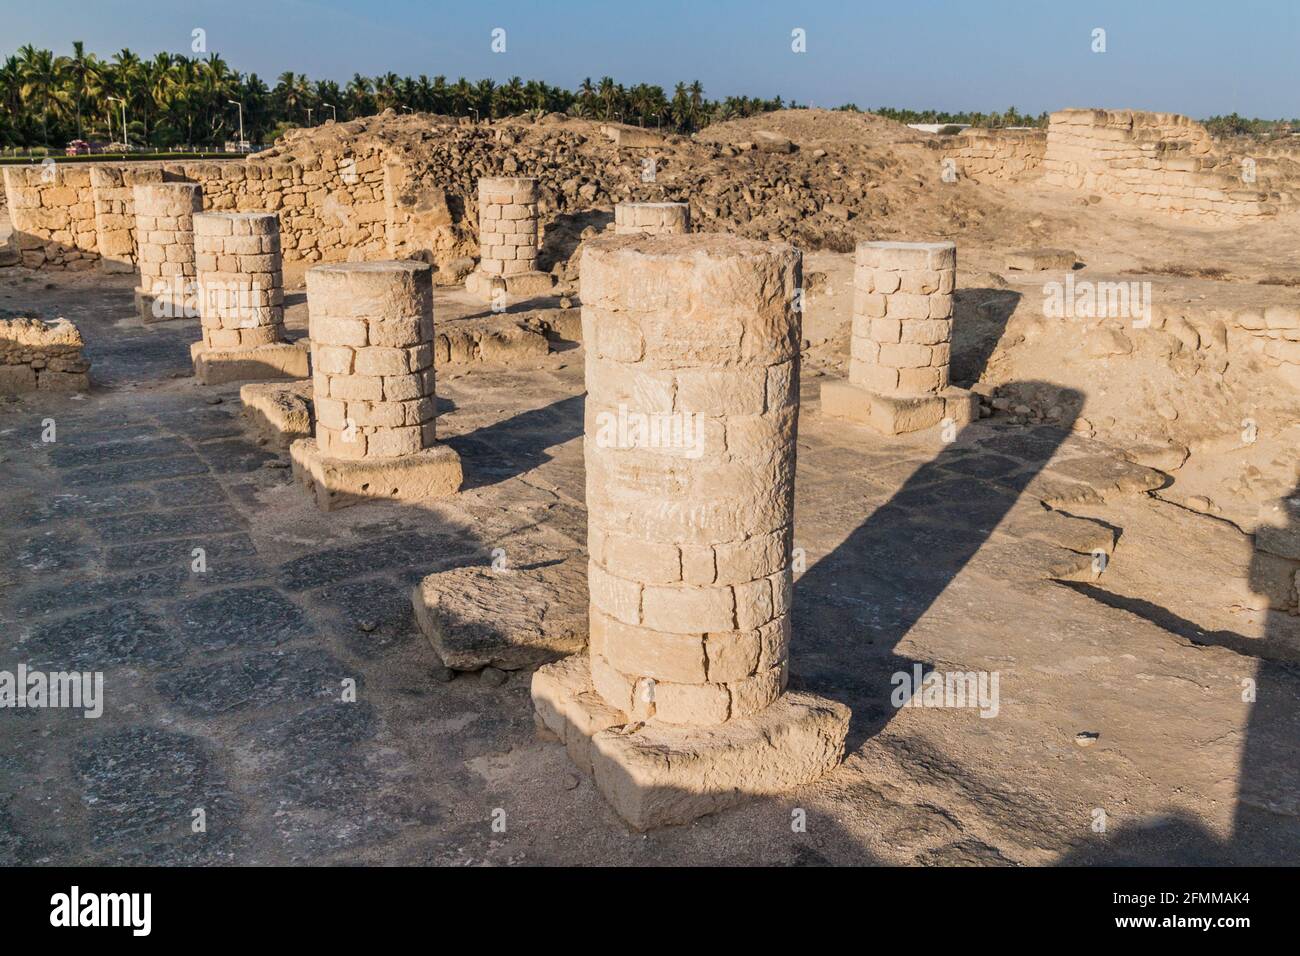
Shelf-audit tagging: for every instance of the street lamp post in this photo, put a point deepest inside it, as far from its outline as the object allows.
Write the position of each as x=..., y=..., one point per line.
x=309, y=116
x=126, y=137
x=241, y=121
x=332, y=110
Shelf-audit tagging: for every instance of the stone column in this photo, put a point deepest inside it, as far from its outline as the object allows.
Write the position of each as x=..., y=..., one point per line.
x=652, y=218
x=900, y=350
x=373, y=387
x=164, y=240
x=508, y=236
x=240, y=295
x=692, y=372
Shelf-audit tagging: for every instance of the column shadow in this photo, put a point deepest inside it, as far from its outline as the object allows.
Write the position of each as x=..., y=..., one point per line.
x=853, y=606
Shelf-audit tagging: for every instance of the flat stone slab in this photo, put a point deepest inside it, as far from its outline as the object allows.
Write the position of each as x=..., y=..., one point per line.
x=524, y=285
x=510, y=618
x=1042, y=260
x=656, y=774
x=339, y=482
x=896, y=415
x=280, y=360
x=280, y=412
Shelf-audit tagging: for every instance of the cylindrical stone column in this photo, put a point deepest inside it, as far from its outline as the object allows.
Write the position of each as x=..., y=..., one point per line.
x=371, y=328
x=507, y=224
x=902, y=316
x=652, y=218
x=240, y=279
x=692, y=374
x=164, y=239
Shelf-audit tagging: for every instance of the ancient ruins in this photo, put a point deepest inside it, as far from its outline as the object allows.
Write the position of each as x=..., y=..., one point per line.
x=933, y=493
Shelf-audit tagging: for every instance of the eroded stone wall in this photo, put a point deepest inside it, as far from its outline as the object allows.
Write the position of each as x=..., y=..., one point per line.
x=45, y=356
x=988, y=155
x=1158, y=161
x=332, y=206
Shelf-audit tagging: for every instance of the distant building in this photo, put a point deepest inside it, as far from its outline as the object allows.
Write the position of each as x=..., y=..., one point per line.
x=948, y=128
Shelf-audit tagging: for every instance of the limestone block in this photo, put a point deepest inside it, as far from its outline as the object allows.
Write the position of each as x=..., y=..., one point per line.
x=516, y=617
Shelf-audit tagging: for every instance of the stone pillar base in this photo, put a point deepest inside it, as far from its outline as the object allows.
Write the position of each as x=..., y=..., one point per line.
x=523, y=285
x=657, y=775
x=897, y=414
x=280, y=412
x=279, y=360
x=339, y=482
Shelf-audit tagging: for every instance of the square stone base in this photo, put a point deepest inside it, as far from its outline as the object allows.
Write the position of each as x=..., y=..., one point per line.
x=340, y=482
x=657, y=775
x=525, y=285
x=280, y=412
x=280, y=360
x=896, y=414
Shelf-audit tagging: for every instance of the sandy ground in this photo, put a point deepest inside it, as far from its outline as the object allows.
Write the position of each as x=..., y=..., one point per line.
x=225, y=689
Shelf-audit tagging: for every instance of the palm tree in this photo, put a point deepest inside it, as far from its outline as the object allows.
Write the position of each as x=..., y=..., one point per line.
x=359, y=101
x=42, y=84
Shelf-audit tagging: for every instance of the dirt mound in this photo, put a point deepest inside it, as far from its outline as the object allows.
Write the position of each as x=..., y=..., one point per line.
x=819, y=179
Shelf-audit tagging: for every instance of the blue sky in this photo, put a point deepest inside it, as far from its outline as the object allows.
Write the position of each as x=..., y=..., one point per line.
x=1194, y=56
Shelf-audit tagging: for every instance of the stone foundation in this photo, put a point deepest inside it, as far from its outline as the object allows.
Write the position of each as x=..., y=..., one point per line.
x=691, y=415
x=371, y=327
x=41, y=356
x=652, y=218
x=901, y=345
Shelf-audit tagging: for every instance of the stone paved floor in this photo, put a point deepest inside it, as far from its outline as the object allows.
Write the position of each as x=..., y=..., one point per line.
x=224, y=689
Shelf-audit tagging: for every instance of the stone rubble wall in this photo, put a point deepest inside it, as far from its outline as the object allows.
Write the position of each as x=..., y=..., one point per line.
x=689, y=534
x=44, y=356
x=371, y=328
x=998, y=155
x=652, y=218
x=240, y=279
x=332, y=207
x=1158, y=161
x=902, y=316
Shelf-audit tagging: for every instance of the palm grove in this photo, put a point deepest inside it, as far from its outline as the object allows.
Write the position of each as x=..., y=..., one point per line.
x=172, y=100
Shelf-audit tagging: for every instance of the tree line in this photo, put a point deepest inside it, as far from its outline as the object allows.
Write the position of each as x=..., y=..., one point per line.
x=172, y=100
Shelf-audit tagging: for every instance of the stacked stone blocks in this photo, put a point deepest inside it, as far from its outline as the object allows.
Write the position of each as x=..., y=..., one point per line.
x=900, y=350
x=652, y=218
x=692, y=407
x=240, y=295
x=164, y=237
x=41, y=356
x=508, y=237
x=371, y=328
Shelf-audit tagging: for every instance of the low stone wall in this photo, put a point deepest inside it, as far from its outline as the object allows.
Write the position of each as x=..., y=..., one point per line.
x=332, y=207
x=999, y=155
x=45, y=356
x=1158, y=161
